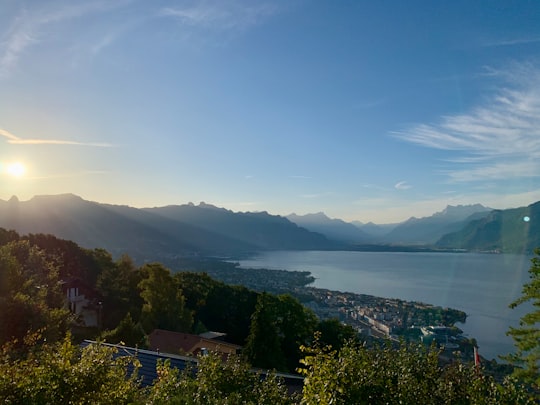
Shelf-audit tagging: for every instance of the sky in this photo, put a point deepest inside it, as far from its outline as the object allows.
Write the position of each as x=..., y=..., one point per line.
x=364, y=110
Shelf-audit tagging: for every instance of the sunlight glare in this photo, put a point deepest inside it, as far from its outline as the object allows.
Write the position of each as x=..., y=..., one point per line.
x=16, y=169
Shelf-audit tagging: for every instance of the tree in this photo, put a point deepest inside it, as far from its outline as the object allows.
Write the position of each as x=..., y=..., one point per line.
x=233, y=318
x=163, y=300
x=64, y=374
x=527, y=335
x=118, y=289
x=7, y=236
x=71, y=259
x=127, y=332
x=30, y=295
x=335, y=333
x=297, y=325
x=263, y=347
x=408, y=374
x=215, y=383
x=279, y=326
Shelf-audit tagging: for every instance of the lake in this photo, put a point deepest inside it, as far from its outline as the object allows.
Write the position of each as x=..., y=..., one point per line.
x=482, y=285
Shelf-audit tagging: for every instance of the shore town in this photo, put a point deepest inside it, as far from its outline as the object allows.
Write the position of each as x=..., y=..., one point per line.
x=371, y=316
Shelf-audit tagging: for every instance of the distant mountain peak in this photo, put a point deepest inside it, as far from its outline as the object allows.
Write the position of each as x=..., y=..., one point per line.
x=428, y=230
x=13, y=200
x=316, y=215
x=335, y=229
x=461, y=210
x=65, y=197
x=202, y=204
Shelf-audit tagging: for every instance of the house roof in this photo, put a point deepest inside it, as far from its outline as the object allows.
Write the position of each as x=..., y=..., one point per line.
x=148, y=360
x=212, y=335
x=178, y=342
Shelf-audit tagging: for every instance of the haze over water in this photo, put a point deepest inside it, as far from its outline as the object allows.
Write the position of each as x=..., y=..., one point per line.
x=482, y=285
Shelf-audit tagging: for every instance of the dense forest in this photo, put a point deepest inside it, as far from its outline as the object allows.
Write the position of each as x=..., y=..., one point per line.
x=42, y=362
x=133, y=301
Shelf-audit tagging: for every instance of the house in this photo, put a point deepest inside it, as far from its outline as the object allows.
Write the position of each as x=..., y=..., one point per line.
x=83, y=301
x=177, y=342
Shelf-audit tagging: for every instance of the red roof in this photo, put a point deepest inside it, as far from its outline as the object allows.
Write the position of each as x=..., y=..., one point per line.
x=185, y=343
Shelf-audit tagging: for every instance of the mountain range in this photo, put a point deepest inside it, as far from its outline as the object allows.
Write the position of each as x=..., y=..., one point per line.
x=206, y=230
x=414, y=231
x=155, y=233
x=336, y=229
x=515, y=230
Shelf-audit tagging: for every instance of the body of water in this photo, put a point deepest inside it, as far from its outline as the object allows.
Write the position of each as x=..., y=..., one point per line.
x=482, y=285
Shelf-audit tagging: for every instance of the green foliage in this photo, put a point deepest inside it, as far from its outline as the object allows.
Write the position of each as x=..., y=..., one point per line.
x=263, y=348
x=205, y=297
x=196, y=288
x=35, y=369
x=127, y=332
x=7, y=236
x=409, y=374
x=279, y=326
x=117, y=283
x=527, y=335
x=163, y=300
x=335, y=333
x=72, y=260
x=229, y=309
x=217, y=382
x=297, y=325
x=64, y=374
x=30, y=294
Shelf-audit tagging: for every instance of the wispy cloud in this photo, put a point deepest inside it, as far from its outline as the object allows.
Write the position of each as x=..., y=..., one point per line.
x=19, y=141
x=29, y=27
x=402, y=185
x=512, y=42
x=497, y=140
x=222, y=15
x=496, y=171
x=18, y=39
x=103, y=43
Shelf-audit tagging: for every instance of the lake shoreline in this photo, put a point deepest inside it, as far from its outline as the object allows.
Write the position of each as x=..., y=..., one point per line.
x=481, y=285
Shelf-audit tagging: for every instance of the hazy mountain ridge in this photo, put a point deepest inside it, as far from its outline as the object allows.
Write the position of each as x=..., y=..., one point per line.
x=258, y=228
x=375, y=230
x=149, y=233
x=428, y=230
x=515, y=230
x=336, y=229
x=88, y=223
x=207, y=230
x=414, y=231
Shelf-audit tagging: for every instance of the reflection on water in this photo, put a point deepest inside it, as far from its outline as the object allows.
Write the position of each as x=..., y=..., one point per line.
x=482, y=285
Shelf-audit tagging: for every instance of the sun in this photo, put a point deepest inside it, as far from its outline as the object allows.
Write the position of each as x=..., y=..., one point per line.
x=15, y=169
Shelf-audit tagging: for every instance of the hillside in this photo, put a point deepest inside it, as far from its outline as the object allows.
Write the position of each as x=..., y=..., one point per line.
x=152, y=234
x=260, y=229
x=428, y=230
x=162, y=233
x=515, y=230
x=335, y=229
x=375, y=231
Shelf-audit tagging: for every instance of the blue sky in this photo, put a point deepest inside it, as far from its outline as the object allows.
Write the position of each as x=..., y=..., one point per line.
x=370, y=111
